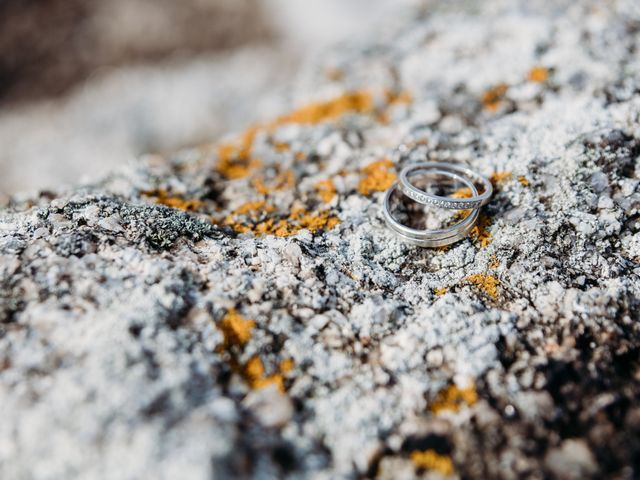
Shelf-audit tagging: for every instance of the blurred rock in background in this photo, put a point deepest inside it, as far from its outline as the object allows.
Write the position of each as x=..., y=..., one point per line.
x=49, y=46
x=87, y=86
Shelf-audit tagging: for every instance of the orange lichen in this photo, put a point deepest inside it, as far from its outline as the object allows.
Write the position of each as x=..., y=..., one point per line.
x=163, y=198
x=326, y=190
x=461, y=215
x=485, y=283
x=259, y=185
x=252, y=210
x=254, y=373
x=394, y=97
x=378, y=176
x=480, y=233
x=538, y=74
x=440, y=291
x=492, y=98
x=494, y=262
x=252, y=207
x=299, y=219
x=523, y=180
x=234, y=159
x=239, y=227
x=283, y=181
x=453, y=398
x=237, y=331
x=464, y=192
x=498, y=177
x=235, y=328
x=351, y=102
x=432, y=460
x=286, y=365
x=281, y=147
x=234, y=167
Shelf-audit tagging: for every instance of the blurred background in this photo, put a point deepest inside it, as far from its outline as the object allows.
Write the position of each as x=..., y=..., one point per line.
x=86, y=86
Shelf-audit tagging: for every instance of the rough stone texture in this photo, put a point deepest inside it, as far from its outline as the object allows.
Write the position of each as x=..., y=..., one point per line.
x=141, y=341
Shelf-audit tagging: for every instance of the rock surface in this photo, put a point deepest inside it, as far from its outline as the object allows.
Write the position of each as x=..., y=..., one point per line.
x=240, y=310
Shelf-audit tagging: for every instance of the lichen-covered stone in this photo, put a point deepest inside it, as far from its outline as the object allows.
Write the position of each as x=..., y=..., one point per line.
x=241, y=311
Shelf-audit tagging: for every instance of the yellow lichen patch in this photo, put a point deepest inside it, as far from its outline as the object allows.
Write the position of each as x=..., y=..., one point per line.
x=464, y=192
x=461, y=215
x=163, y=198
x=259, y=185
x=234, y=167
x=523, y=180
x=239, y=227
x=394, y=97
x=252, y=207
x=453, y=398
x=538, y=74
x=498, y=177
x=281, y=147
x=326, y=190
x=432, y=460
x=254, y=373
x=263, y=228
x=237, y=331
x=440, y=291
x=378, y=176
x=351, y=102
x=485, y=283
x=252, y=210
x=491, y=98
x=283, y=181
x=317, y=221
x=494, y=262
x=299, y=219
x=235, y=328
x=480, y=233
x=234, y=159
x=286, y=365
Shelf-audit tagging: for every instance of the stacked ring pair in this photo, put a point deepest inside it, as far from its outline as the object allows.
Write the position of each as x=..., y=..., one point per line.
x=444, y=236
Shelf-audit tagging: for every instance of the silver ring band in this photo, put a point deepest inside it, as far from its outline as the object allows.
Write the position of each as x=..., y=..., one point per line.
x=427, y=198
x=431, y=238
x=437, y=242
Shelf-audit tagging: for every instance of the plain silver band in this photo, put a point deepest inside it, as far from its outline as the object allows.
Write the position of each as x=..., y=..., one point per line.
x=426, y=198
x=438, y=242
x=431, y=238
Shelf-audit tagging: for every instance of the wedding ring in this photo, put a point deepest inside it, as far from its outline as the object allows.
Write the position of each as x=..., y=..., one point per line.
x=426, y=198
x=436, y=237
